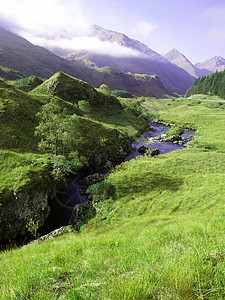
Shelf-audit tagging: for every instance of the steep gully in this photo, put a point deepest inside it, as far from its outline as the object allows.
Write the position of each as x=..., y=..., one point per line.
x=73, y=193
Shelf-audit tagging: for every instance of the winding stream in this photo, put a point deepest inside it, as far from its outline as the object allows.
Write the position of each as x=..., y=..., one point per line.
x=73, y=193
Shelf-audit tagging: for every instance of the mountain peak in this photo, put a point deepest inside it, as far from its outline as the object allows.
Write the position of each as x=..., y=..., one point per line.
x=216, y=63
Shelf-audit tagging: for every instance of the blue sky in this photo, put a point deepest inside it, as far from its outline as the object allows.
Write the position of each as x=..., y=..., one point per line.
x=194, y=27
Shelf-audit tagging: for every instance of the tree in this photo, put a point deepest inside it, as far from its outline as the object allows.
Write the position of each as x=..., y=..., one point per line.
x=54, y=127
x=58, y=135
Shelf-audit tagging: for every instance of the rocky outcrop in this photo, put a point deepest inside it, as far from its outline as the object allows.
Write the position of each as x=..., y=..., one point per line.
x=92, y=179
x=81, y=213
x=57, y=232
x=19, y=208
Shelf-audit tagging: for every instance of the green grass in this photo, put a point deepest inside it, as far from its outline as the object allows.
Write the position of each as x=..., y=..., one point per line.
x=160, y=237
x=22, y=170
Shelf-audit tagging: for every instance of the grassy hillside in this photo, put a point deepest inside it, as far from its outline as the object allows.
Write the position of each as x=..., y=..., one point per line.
x=211, y=85
x=97, y=117
x=160, y=237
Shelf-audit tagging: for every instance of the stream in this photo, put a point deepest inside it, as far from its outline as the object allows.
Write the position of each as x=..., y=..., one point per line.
x=73, y=194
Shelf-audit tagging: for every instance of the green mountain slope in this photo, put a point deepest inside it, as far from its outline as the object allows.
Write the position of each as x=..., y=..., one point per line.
x=94, y=130
x=213, y=84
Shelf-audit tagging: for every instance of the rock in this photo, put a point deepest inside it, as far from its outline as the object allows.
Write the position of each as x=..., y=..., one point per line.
x=155, y=152
x=92, y=179
x=53, y=234
x=142, y=149
x=81, y=213
x=19, y=208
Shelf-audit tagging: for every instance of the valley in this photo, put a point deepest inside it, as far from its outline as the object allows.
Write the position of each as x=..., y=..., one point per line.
x=127, y=154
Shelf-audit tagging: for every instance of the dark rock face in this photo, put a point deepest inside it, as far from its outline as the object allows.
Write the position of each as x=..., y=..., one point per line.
x=81, y=212
x=20, y=208
x=92, y=179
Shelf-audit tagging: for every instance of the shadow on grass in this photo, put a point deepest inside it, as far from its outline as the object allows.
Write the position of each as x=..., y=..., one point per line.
x=148, y=182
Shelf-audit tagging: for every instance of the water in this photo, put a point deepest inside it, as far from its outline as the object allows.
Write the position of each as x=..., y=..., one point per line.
x=73, y=194
x=148, y=140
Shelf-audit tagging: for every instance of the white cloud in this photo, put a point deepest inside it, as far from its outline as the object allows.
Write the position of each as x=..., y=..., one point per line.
x=48, y=18
x=144, y=29
x=56, y=24
x=87, y=43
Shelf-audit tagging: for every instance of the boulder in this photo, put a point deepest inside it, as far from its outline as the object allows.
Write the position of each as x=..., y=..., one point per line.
x=155, y=152
x=19, y=208
x=81, y=213
x=142, y=149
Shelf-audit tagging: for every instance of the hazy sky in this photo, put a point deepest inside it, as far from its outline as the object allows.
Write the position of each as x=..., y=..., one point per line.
x=194, y=27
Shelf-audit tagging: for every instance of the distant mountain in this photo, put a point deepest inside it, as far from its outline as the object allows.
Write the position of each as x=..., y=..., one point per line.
x=18, y=54
x=147, y=62
x=214, y=64
x=177, y=58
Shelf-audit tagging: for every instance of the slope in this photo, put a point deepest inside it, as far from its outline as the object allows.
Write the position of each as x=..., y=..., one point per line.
x=177, y=58
x=147, y=61
x=213, y=84
x=160, y=237
x=18, y=54
x=217, y=63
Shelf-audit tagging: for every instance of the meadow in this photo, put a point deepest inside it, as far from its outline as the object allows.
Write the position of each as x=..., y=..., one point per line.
x=161, y=236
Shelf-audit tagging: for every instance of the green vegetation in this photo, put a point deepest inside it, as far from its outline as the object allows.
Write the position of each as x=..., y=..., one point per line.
x=213, y=84
x=160, y=235
x=70, y=119
x=27, y=84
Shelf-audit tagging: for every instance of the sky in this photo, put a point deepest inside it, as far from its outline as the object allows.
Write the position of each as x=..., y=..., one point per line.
x=194, y=27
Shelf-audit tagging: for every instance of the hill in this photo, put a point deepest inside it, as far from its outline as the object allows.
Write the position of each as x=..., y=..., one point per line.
x=177, y=58
x=147, y=61
x=213, y=84
x=86, y=127
x=18, y=54
x=217, y=63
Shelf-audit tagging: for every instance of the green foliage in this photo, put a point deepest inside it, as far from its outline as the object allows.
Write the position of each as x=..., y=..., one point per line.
x=134, y=107
x=65, y=166
x=101, y=191
x=212, y=84
x=105, y=89
x=54, y=128
x=84, y=106
x=32, y=226
x=27, y=84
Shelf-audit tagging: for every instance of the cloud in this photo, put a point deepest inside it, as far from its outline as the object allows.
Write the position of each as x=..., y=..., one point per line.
x=87, y=43
x=45, y=18
x=56, y=24
x=144, y=29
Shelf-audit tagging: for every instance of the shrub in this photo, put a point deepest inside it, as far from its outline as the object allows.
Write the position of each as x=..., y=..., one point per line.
x=101, y=191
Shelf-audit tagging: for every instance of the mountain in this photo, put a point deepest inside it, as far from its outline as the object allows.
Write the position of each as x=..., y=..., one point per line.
x=177, y=58
x=146, y=61
x=217, y=63
x=18, y=54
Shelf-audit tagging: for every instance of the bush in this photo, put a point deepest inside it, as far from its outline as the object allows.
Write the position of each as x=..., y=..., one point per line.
x=101, y=191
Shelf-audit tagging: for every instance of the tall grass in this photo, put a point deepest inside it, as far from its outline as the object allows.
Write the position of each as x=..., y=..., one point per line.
x=160, y=237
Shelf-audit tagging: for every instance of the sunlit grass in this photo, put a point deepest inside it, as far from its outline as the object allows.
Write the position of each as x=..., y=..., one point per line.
x=160, y=237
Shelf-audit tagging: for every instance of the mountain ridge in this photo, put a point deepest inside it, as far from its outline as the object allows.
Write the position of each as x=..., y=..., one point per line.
x=179, y=59
x=216, y=63
x=18, y=54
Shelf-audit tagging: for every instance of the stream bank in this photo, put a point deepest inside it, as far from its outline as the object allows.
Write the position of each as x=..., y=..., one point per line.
x=71, y=203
